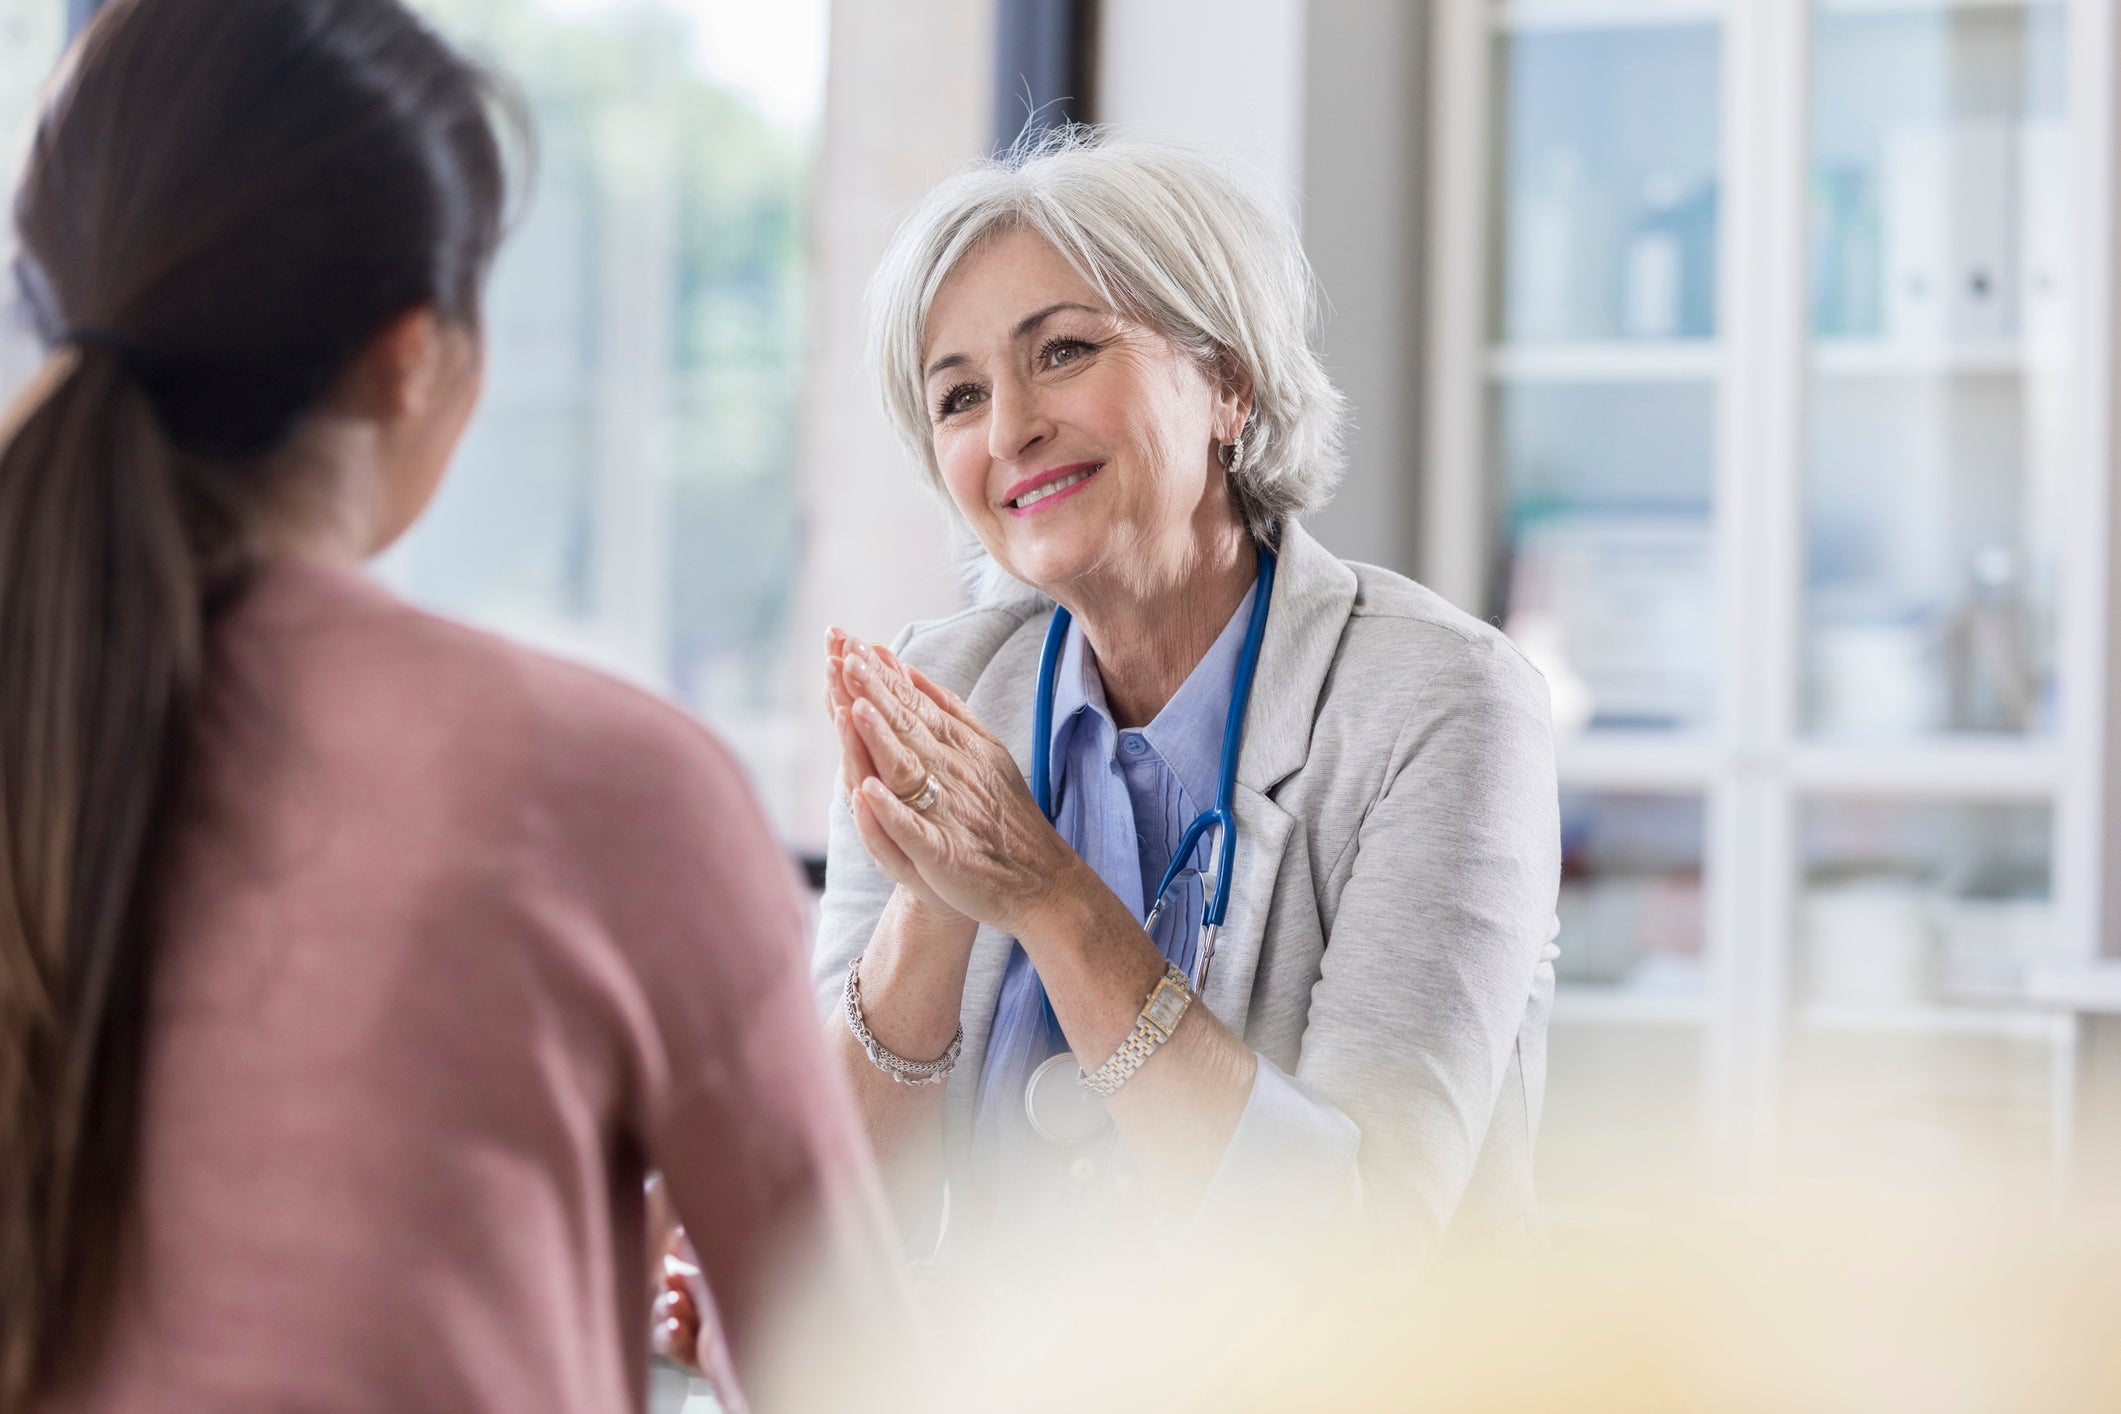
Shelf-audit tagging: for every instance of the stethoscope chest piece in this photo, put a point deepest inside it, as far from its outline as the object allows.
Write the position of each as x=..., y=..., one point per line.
x=1060, y=1108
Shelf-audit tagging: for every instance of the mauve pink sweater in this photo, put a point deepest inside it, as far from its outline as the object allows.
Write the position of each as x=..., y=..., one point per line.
x=461, y=941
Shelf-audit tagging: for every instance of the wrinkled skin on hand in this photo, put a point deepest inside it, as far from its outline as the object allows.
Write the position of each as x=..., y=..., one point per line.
x=983, y=849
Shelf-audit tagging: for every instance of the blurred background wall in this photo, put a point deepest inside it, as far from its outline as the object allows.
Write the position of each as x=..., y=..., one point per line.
x=1751, y=365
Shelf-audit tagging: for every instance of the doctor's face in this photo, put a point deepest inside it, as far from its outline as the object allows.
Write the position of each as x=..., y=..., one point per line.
x=1078, y=445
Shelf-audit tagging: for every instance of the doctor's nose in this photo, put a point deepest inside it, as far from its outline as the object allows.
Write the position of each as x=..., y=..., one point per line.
x=1017, y=424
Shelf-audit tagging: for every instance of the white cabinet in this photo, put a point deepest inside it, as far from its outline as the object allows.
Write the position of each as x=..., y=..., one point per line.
x=1766, y=408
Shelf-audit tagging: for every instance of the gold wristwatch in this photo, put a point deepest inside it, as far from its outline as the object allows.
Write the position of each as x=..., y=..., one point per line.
x=1159, y=1018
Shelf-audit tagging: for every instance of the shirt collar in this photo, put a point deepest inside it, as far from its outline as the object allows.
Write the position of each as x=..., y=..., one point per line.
x=1188, y=732
x=1076, y=686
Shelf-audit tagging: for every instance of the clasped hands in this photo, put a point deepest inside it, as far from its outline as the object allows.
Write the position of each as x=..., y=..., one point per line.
x=982, y=849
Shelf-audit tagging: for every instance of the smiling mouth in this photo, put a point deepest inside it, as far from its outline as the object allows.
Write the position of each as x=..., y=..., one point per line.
x=1054, y=488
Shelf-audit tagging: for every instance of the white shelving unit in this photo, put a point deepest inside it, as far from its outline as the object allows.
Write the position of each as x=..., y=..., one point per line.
x=1779, y=789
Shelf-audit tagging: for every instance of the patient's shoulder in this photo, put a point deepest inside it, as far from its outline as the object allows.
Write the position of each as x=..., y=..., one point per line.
x=490, y=715
x=606, y=748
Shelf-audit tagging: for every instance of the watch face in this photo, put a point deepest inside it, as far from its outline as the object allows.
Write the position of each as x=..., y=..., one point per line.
x=1166, y=1006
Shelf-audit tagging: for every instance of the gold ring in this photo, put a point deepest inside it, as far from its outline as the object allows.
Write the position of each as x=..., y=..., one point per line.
x=926, y=794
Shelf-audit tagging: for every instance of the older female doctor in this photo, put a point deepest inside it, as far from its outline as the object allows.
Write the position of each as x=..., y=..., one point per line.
x=1100, y=353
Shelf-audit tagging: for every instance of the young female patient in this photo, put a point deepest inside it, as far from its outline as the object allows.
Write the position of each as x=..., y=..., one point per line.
x=354, y=967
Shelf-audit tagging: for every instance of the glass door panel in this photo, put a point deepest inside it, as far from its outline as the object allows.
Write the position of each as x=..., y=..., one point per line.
x=1899, y=894
x=1608, y=190
x=1939, y=287
x=1604, y=572
x=1888, y=1080
x=1603, y=366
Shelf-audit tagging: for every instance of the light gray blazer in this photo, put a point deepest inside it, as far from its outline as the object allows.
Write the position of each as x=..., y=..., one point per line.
x=1398, y=856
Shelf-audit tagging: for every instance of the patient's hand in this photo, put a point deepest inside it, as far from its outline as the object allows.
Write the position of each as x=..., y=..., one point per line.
x=679, y=1327
x=678, y=1330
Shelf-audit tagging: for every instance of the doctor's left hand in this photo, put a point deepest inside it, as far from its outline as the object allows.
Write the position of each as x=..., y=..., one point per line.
x=983, y=846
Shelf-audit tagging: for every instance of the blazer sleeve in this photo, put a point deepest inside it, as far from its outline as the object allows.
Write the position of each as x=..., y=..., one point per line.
x=1428, y=971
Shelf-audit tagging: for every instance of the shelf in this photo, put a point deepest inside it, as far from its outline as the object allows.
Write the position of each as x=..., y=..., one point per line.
x=1943, y=435
x=1929, y=1019
x=1588, y=1004
x=2061, y=981
x=1940, y=768
x=1616, y=361
x=1923, y=7
x=1536, y=16
x=1883, y=358
x=1656, y=762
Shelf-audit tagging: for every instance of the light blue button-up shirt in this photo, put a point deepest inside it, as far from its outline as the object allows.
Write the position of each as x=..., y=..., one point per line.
x=1122, y=798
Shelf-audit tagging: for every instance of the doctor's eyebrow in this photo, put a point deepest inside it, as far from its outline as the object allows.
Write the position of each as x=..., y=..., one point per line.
x=1025, y=326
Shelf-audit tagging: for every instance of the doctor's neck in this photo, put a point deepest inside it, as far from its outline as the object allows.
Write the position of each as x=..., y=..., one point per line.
x=1151, y=625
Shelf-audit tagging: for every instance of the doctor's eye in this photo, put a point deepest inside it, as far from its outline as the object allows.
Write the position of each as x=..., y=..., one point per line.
x=956, y=400
x=1060, y=352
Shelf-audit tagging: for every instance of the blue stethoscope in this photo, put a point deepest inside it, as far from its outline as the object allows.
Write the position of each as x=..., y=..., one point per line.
x=1058, y=1105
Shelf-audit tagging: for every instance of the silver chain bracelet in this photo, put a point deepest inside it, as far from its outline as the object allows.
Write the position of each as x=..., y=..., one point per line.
x=904, y=1071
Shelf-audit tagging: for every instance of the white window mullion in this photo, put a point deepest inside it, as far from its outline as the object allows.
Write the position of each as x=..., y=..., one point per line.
x=1760, y=530
x=1456, y=525
x=2087, y=825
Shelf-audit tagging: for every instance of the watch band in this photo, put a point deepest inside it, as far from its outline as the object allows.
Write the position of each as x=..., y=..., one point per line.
x=1159, y=1017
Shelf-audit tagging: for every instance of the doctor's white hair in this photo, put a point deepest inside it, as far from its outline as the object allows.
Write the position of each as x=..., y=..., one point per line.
x=1173, y=239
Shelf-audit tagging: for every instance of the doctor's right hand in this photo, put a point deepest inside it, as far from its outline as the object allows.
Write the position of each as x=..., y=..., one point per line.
x=857, y=766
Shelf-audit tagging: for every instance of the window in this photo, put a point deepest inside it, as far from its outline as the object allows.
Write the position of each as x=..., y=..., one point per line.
x=627, y=493
x=31, y=32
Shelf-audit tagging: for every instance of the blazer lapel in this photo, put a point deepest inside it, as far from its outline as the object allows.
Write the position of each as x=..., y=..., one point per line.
x=1264, y=831
x=1313, y=594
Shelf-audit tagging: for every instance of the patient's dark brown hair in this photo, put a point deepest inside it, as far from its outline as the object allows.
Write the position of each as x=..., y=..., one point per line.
x=225, y=201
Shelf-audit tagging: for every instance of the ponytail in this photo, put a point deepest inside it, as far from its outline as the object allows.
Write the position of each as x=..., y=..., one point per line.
x=356, y=175
x=100, y=646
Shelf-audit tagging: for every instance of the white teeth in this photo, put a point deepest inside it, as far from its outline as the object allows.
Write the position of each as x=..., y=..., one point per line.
x=1052, y=487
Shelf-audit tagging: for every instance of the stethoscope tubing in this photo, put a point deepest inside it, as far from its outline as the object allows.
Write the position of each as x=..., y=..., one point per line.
x=1219, y=818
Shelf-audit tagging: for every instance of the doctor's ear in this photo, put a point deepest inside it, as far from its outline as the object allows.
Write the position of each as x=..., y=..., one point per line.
x=1233, y=400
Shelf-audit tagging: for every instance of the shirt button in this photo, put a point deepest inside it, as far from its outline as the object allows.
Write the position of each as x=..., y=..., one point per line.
x=1082, y=1170
x=1133, y=743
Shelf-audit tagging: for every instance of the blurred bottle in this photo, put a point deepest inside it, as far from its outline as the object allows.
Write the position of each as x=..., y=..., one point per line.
x=1559, y=253
x=1988, y=653
x=1845, y=253
x=1655, y=271
x=1695, y=221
